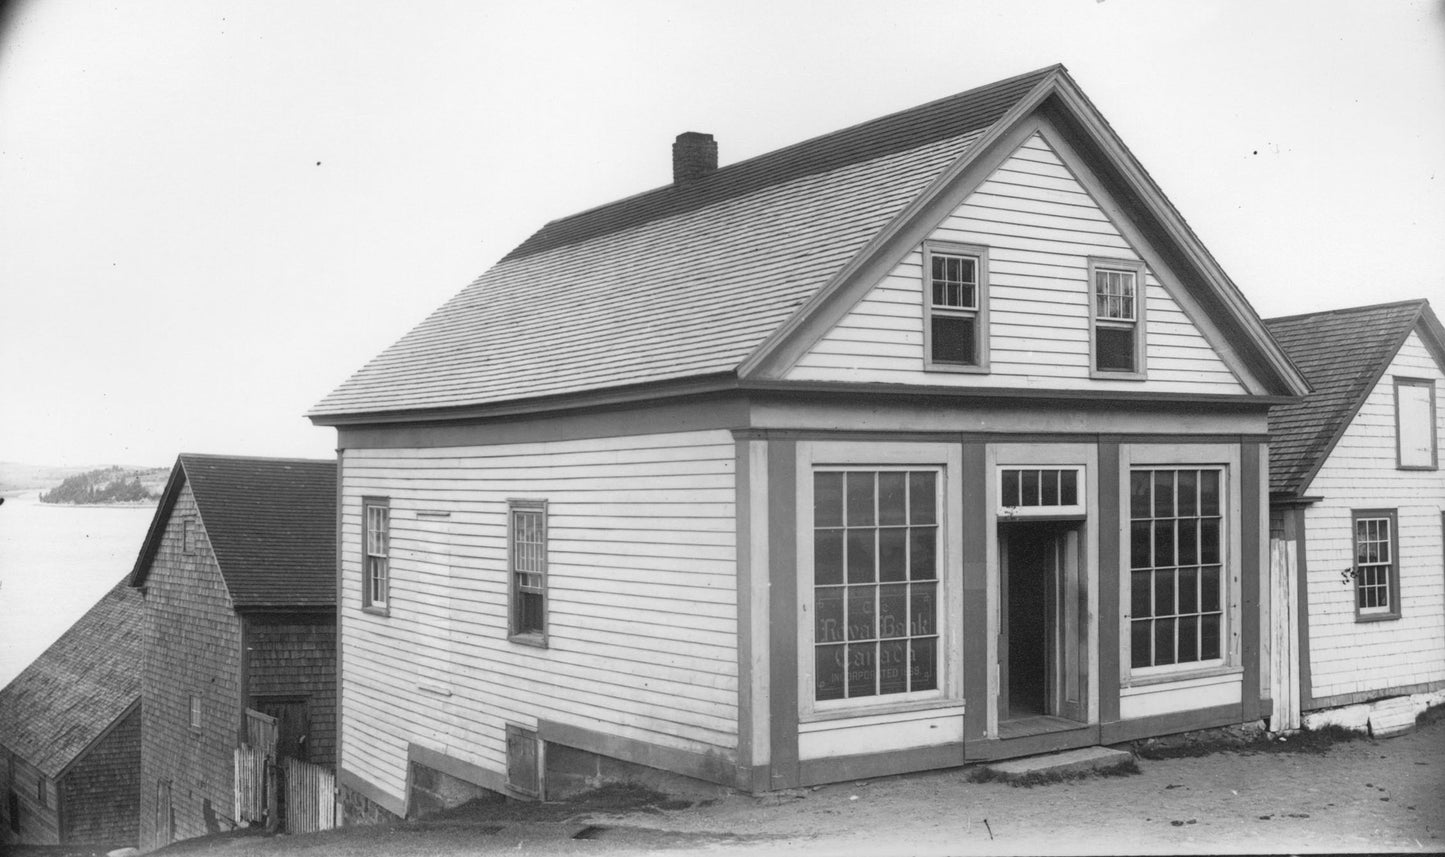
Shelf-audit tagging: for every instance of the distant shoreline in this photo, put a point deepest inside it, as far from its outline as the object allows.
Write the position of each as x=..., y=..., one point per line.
x=36, y=492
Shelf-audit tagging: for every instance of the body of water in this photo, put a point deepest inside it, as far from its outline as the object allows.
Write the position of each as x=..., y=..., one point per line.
x=56, y=561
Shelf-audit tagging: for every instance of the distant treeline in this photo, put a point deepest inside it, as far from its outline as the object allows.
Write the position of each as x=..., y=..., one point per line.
x=107, y=485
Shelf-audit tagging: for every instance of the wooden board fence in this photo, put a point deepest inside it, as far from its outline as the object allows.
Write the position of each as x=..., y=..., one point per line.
x=250, y=785
x=310, y=797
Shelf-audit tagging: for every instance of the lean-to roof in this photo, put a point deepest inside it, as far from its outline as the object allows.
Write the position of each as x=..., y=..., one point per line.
x=271, y=523
x=76, y=689
x=1343, y=353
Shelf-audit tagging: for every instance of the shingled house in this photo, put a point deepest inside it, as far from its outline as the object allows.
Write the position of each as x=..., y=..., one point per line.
x=238, y=577
x=934, y=439
x=70, y=728
x=1356, y=486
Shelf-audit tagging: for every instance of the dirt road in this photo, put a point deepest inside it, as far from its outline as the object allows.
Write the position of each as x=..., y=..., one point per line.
x=1365, y=795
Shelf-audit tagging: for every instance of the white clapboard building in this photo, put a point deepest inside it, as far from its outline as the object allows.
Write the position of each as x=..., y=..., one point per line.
x=938, y=438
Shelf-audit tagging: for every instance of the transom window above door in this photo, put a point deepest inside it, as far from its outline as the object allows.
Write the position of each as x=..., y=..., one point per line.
x=1025, y=492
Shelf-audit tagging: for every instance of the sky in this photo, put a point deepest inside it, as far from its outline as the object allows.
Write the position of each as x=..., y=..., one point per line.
x=215, y=212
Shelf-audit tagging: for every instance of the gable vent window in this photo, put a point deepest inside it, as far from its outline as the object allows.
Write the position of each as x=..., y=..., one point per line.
x=956, y=307
x=1117, y=316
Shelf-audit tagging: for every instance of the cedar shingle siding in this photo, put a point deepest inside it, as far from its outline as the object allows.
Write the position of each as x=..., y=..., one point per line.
x=101, y=793
x=297, y=659
x=193, y=646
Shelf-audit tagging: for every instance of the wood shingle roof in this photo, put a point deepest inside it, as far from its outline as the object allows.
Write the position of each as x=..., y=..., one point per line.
x=1343, y=353
x=271, y=523
x=72, y=693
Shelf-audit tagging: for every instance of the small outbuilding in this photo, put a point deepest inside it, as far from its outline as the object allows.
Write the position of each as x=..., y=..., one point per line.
x=237, y=573
x=70, y=733
x=1357, y=501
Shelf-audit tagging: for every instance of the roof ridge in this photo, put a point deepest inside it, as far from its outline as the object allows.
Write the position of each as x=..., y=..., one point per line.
x=1348, y=310
x=276, y=458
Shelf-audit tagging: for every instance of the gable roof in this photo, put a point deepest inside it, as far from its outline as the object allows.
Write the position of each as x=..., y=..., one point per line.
x=75, y=690
x=1343, y=353
x=271, y=523
x=703, y=281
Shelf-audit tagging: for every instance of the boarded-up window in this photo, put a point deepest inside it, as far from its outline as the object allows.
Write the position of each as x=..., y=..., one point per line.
x=523, y=762
x=875, y=583
x=1415, y=423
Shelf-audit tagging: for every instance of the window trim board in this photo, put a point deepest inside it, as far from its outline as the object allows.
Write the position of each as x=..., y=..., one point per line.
x=1140, y=322
x=539, y=639
x=368, y=605
x=979, y=253
x=1393, y=585
x=1406, y=381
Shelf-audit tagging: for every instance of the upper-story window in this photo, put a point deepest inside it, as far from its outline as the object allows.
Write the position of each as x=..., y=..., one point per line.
x=376, y=557
x=955, y=307
x=188, y=535
x=1415, y=424
x=1116, y=314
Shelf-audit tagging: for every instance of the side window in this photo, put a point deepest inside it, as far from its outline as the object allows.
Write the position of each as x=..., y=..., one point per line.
x=188, y=535
x=376, y=557
x=1116, y=318
x=1415, y=445
x=527, y=560
x=955, y=307
x=1376, y=571
x=196, y=712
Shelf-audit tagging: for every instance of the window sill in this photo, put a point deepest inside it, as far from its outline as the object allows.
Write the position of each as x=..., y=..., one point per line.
x=961, y=368
x=376, y=611
x=535, y=640
x=1180, y=676
x=1426, y=467
x=1376, y=617
x=904, y=707
x=1109, y=375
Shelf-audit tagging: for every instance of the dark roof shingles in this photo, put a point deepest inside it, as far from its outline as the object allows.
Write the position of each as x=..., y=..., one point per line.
x=76, y=689
x=1342, y=353
x=272, y=525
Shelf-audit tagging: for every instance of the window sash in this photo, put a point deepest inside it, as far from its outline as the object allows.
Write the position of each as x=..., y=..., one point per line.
x=376, y=562
x=954, y=281
x=1178, y=568
x=876, y=590
x=1115, y=294
x=1374, y=565
x=528, y=551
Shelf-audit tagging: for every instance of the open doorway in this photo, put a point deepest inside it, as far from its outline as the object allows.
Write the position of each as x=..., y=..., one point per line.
x=1043, y=633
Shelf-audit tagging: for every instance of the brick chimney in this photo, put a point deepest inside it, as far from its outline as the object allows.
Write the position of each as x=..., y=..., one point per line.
x=694, y=155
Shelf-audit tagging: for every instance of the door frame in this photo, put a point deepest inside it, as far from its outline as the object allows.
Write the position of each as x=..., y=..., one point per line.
x=1066, y=670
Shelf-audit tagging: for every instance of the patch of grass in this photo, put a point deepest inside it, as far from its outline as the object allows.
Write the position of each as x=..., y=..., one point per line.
x=981, y=774
x=1211, y=741
x=1429, y=716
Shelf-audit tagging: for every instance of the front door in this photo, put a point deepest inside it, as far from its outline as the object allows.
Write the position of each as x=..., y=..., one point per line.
x=1042, y=633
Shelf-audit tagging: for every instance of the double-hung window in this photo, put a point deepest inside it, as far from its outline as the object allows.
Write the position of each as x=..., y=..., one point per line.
x=1116, y=314
x=1177, y=567
x=955, y=307
x=527, y=558
x=376, y=557
x=875, y=592
x=1376, y=570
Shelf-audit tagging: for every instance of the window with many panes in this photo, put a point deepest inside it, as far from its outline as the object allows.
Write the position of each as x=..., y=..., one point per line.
x=1040, y=491
x=875, y=583
x=1176, y=550
x=376, y=559
x=527, y=552
x=955, y=323
x=1116, y=310
x=1377, y=581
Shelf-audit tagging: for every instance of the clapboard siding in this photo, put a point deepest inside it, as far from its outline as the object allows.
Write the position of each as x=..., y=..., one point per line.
x=642, y=603
x=1346, y=656
x=193, y=646
x=1040, y=226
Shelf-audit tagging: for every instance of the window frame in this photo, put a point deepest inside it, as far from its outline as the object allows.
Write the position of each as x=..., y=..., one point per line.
x=1392, y=585
x=979, y=313
x=197, y=714
x=1399, y=426
x=527, y=637
x=946, y=461
x=1041, y=512
x=369, y=601
x=1138, y=325
x=188, y=535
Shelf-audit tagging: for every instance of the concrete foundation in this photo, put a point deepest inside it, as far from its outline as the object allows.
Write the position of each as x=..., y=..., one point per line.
x=433, y=791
